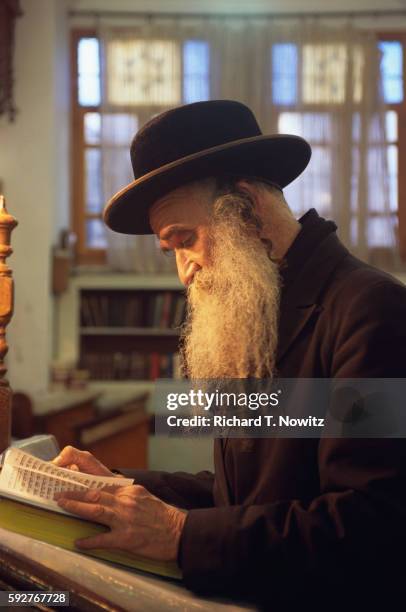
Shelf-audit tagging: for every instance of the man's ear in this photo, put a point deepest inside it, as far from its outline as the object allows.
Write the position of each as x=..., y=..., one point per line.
x=252, y=191
x=257, y=196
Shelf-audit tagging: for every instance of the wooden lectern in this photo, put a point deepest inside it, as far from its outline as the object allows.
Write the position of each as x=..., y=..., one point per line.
x=7, y=224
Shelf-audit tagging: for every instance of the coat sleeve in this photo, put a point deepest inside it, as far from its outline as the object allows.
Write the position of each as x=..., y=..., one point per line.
x=178, y=488
x=350, y=533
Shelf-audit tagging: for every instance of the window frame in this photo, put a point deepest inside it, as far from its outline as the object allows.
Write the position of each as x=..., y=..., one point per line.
x=84, y=254
x=79, y=214
x=400, y=109
x=97, y=256
x=378, y=253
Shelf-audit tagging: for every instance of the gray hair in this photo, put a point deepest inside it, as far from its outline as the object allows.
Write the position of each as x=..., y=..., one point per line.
x=218, y=186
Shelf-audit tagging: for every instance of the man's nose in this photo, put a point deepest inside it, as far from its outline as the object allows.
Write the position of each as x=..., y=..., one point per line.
x=181, y=264
x=186, y=267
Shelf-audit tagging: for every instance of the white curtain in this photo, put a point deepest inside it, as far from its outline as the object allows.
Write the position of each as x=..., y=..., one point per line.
x=298, y=77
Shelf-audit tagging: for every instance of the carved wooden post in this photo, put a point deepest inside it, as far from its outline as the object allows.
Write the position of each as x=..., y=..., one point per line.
x=7, y=224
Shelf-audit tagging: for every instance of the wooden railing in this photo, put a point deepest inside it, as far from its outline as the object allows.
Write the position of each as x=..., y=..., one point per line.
x=7, y=224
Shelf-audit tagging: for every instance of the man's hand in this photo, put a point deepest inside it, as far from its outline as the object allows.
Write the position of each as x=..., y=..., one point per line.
x=81, y=461
x=139, y=522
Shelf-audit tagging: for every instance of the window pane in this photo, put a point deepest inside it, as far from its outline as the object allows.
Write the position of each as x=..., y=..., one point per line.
x=94, y=193
x=284, y=73
x=119, y=173
x=119, y=128
x=377, y=131
x=380, y=232
x=143, y=72
x=290, y=123
x=379, y=193
x=315, y=127
x=88, y=72
x=392, y=160
x=95, y=234
x=392, y=70
x=377, y=190
x=376, y=128
x=92, y=128
x=354, y=230
x=89, y=90
x=391, y=123
x=324, y=72
x=313, y=189
x=355, y=180
x=357, y=72
x=195, y=71
x=356, y=127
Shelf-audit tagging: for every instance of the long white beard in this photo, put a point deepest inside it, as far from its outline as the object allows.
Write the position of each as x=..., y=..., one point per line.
x=233, y=304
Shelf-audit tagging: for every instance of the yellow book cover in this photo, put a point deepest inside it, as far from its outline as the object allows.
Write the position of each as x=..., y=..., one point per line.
x=62, y=530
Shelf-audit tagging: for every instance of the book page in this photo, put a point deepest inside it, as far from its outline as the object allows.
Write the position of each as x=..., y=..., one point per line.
x=26, y=477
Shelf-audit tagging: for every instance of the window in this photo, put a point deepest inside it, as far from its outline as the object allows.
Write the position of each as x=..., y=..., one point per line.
x=141, y=78
x=313, y=77
x=393, y=53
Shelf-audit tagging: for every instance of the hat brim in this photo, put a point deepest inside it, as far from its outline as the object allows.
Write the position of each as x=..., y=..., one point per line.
x=278, y=158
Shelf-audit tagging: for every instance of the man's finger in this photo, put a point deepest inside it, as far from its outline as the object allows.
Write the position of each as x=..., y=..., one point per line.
x=90, y=496
x=83, y=460
x=101, y=540
x=67, y=456
x=112, y=489
x=93, y=512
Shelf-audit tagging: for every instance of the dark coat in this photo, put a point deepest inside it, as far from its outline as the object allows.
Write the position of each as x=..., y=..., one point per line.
x=304, y=519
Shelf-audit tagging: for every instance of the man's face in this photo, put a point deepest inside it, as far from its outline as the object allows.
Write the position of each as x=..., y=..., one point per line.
x=232, y=284
x=180, y=220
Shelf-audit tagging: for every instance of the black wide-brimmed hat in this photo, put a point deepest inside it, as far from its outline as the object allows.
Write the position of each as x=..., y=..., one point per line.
x=196, y=141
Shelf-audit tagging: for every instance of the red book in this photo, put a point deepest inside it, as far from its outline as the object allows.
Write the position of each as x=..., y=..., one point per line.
x=166, y=308
x=154, y=366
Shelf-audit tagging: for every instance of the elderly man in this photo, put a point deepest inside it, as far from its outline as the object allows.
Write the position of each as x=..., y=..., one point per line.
x=267, y=296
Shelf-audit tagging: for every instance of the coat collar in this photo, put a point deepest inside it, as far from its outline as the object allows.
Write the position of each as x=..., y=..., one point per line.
x=305, y=270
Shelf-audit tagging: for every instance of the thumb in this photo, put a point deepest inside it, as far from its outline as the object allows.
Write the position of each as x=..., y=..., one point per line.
x=101, y=540
x=66, y=456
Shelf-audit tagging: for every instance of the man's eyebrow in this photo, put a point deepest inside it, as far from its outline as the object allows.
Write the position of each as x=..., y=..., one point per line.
x=172, y=230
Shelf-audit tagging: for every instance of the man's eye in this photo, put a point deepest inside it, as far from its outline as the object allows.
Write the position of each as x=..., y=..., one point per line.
x=188, y=241
x=168, y=252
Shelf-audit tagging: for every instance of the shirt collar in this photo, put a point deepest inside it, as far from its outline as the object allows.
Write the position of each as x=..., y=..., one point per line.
x=314, y=230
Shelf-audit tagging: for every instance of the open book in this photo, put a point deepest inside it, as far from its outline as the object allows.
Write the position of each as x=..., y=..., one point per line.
x=27, y=488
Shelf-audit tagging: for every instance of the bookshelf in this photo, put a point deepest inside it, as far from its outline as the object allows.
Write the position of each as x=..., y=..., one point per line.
x=126, y=331
x=169, y=454
x=123, y=328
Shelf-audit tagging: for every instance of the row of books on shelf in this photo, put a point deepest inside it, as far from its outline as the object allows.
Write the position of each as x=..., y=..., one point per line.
x=164, y=310
x=131, y=366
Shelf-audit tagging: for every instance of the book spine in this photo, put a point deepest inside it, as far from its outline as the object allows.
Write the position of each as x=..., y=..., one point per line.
x=166, y=307
x=154, y=371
